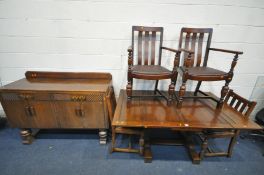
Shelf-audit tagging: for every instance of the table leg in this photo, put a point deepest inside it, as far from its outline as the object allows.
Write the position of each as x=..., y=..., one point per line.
x=196, y=159
x=147, y=149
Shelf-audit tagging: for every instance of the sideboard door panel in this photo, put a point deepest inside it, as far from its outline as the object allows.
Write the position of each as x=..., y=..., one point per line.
x=43, y=114
x=80, y=115
x=18, y=115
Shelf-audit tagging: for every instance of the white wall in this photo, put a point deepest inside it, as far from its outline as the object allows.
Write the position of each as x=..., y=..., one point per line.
x=93, y=35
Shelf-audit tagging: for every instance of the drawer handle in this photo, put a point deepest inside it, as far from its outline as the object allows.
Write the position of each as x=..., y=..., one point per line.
x=79, y=112
x=30, y=111
x=25, y=96
x=27, y=111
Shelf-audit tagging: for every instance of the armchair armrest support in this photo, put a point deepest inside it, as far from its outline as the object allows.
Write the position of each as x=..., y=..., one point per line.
x=234, y=62
x=129, y=49
x=130, y=57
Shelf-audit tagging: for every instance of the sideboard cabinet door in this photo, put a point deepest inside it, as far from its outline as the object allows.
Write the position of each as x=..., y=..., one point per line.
x=81, y=111
x=17, y=113
x=77, y=115
x=29, y=110
x=43, y=114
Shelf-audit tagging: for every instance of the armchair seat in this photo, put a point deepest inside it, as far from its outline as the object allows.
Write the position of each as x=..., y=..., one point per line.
x=151, y=72
x=203, y=73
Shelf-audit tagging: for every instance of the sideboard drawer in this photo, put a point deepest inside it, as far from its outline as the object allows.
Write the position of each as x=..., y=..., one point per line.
x=91, y=97
x=25, y=96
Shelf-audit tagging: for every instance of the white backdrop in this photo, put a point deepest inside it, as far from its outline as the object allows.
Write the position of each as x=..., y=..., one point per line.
x=93, y=35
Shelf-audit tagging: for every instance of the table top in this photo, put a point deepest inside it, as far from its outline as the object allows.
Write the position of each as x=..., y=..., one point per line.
x=61, y=81
x=153, y=112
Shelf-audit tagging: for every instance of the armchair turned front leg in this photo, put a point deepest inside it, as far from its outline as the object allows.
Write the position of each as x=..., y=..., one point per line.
x=129, y=73
x=129, y=87
x=224, y=91
x=225, y=88
x=174, y=77
x=181, y=93
x=171, y=91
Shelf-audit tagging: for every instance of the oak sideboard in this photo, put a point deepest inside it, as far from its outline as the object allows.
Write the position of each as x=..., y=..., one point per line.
x=63, y=100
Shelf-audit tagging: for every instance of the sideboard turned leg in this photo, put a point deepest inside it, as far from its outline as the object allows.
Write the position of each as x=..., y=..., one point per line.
x=147, y=153
x=26, y=135
x=103, y=136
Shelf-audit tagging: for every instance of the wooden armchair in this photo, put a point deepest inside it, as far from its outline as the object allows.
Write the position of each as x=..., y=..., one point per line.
x=144, y=59
x=111, y=105
x=194, y=66
x=238, y=104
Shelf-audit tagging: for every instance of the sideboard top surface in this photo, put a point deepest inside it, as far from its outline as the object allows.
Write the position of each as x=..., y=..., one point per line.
x=59, y=81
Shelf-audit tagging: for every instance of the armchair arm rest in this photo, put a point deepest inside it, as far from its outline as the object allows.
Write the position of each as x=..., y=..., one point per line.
x=170, y=49
x=186, y=50
x=177, y=51
x=227, y=51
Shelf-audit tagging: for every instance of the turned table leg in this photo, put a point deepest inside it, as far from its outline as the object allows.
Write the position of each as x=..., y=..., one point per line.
x=103, y=136
x=26, y=135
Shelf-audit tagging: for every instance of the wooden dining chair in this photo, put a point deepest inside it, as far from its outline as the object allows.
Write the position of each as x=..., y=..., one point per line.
x=144, y=60
x=111, y=105
x=194, y=66
x=238, y=104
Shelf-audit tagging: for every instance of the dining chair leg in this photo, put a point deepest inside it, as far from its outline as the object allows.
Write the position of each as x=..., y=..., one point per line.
x=113, y=140
x=224, y=91
x=232, y=143
x=141, y=144
x=197, y=88
x=156, y=87
x=129, y=142
x=204, y=148
x=181, y=93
